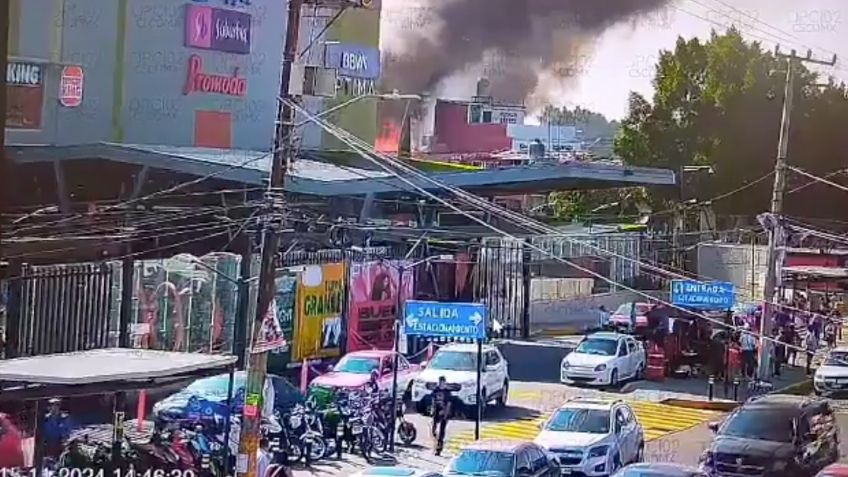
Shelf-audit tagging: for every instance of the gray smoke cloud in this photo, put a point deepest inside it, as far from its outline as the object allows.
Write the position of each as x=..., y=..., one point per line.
x=517, y=41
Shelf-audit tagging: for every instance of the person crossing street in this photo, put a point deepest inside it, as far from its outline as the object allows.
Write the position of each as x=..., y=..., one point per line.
x=442, y=404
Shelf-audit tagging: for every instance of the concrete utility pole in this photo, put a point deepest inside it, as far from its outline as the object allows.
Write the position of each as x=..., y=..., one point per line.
x=274, y=220
x=793, y=61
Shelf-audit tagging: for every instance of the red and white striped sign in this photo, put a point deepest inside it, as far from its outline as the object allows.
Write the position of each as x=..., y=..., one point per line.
x=71, y=86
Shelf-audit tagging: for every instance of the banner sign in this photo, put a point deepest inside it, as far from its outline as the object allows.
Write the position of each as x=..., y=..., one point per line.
x=447, y=320
x=319, y=311
x=374, y=303
x=217, y=29
x=24, y=95
x=353, y=61
x=271, y=335
x=703, y=295
x=286, y=295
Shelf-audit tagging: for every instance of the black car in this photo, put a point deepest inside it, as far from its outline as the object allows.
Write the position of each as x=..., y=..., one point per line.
x=214, y=390
x=659, y=470
x=504, y=458
x=774, y=435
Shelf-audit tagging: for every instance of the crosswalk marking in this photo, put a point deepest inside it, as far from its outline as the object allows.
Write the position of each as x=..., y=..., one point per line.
x=657, y=420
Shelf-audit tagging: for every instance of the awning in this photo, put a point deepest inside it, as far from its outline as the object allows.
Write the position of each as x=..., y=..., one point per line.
x=108, y=365
x=312, y=177
x=817, y=272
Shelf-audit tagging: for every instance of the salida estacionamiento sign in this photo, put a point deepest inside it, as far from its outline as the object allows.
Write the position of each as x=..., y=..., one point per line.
x=200, y=82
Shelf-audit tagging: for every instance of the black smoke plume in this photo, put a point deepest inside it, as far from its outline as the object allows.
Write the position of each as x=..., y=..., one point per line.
x=525, y=36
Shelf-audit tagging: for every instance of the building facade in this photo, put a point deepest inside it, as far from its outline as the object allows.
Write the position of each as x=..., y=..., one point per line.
x=167, y=72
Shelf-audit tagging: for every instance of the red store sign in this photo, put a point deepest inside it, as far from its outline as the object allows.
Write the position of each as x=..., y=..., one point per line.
x=200, y=82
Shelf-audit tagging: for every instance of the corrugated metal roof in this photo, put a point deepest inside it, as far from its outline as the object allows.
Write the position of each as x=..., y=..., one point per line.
x=260, y=161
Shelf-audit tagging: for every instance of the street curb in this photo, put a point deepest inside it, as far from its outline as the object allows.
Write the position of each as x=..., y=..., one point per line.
x=721, y=406
x=803, y=388
x=554, y=332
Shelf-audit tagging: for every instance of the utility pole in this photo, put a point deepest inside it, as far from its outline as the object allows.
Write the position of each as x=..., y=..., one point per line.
x=793, y=62
x=5, y=167
x=274, y=220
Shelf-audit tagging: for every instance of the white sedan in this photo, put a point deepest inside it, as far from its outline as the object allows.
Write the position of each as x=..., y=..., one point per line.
x=831, y=377
x=604, y=359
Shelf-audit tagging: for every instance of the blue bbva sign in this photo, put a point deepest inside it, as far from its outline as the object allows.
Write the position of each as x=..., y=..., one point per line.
x=703, y=295
x=353, y=61
x=448, y=320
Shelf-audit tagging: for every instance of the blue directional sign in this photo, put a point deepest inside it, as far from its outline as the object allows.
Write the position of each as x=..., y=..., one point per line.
x=703, y=295
x=448, y=320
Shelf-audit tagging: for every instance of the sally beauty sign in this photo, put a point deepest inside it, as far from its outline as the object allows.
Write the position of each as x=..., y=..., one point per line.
x=210, y=28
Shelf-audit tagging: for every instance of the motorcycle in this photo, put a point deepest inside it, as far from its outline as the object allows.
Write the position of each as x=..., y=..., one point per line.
x=307, y=443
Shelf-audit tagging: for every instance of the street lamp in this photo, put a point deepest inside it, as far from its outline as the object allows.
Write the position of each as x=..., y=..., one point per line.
x=393, y=96
x=398, y=323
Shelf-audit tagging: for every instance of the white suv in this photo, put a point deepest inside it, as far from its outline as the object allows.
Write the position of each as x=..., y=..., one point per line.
x=593, y=437
x=457, y=362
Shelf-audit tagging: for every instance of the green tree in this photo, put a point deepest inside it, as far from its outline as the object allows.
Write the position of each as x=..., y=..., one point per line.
x=718, y=102
x=605, y=205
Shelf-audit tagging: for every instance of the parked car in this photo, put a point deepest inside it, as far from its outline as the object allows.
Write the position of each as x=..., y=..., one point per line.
x=457, y=362
x=593, y=437
x=214, y=389
x=658, y=469
x=831, y=377
x=834, y=470
x=354, y=370
x=604, y=359
x=11, y=445
x=774, y=435
x=621, y=316
x=395, y=472
x=504, y=458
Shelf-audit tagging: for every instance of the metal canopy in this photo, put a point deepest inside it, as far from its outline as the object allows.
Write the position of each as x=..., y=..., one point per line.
x=108, y=365
x=311, y=177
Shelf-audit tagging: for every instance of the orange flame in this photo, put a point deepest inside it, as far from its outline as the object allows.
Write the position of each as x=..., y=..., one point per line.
x=388, y=141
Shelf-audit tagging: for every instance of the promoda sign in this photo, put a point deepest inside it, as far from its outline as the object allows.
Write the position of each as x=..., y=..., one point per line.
x=200, y=82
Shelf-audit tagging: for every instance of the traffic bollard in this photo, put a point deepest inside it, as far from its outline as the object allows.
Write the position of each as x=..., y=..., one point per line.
x=711, y=387
x=736, y=388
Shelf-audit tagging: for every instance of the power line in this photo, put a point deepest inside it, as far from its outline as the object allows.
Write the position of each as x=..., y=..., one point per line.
x=367, y=153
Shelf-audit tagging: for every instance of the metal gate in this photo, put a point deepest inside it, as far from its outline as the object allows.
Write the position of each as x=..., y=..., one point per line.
x=67, y=308
x=500, y=283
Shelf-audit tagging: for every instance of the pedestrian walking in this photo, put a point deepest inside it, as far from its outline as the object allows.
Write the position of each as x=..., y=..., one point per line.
x=830, y=333
x=57, y=428
x=790, y=338
x=779, y=348
x=603, y=318
x=442, y=404
x=811, y=344
x=748, y=343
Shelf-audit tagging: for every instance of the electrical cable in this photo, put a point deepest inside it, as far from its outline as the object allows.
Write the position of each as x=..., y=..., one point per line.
x=344, y=136
x=175, y=188
x=184, y=230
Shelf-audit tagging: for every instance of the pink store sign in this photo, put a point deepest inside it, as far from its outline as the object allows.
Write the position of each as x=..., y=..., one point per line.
x=210, y=28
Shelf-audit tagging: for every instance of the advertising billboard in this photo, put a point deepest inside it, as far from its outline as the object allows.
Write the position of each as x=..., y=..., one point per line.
x=373, y=303
x=320, y=306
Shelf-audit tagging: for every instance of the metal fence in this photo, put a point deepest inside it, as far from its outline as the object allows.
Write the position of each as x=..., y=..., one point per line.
x=68, y=308
x=500, y=284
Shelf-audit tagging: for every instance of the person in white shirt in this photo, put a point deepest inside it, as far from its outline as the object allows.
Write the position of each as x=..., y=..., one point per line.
x=263, y=460
x=811, y=344
x=748, y=344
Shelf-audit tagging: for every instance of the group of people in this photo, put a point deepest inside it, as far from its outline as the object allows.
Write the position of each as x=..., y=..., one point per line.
x=796, y=328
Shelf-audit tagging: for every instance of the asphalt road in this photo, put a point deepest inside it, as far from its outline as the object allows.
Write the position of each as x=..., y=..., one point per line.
x=674, y=434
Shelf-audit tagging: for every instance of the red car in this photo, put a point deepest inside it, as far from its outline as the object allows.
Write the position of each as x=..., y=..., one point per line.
x=834, y=470
x=621, y=316
x=11, y=445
